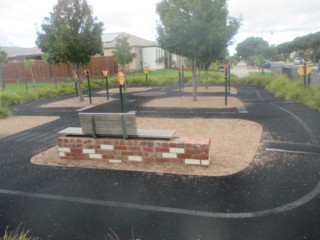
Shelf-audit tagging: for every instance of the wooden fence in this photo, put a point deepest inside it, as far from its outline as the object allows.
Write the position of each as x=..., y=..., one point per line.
x=39, y=71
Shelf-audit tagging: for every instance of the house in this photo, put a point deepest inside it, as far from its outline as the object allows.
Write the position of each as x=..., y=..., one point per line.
x=21, y=54
x=148, y=53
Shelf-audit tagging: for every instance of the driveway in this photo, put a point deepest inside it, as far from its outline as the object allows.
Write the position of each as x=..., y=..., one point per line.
x=277, y=198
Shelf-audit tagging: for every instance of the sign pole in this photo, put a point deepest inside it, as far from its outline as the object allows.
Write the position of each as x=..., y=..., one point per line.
x=226, y=85
x=147, y=80
x=305, y=74
x=146, y=71
x=229, y=77
x=107, y=87
x=121, y=81
x=121, y=98
x=105, y=73
x=183, y=77
x=180, y=82
x=89, y=88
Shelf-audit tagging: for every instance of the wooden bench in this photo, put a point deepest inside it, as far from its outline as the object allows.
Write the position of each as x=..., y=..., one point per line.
x=113, y=125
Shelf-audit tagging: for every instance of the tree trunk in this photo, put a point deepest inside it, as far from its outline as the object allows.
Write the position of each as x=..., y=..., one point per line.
x=76, y=72
x=194, y=80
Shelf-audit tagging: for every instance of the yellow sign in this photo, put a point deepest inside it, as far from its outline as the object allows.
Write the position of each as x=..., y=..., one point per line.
x=121, y=78
x=146, y=70
x=301, y=71
x=105, y=73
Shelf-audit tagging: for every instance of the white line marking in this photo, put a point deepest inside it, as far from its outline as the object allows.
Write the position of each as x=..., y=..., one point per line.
x=281, y=209
x=242, y=109
x=290, y=151
x=302, y=123
x=85, y=108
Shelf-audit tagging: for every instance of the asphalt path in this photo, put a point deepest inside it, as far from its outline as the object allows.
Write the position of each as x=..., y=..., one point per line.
x=275, y=200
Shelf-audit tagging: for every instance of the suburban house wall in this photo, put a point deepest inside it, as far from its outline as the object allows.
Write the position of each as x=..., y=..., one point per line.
x=152, y=58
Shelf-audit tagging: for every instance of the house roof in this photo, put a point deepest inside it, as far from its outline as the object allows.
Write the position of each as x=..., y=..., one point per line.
x=109, y=40
x=16, y=52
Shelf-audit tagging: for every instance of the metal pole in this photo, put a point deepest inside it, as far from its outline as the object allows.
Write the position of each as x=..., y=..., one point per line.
x=121, y=98
x=183, y=77
x=229, y=78
x=89, y=88
x=226, y=86
x=147, y=80
x=107, y=87
x=180, y=84
x=305, y=74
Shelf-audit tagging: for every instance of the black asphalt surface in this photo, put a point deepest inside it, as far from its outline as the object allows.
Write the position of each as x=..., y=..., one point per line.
x=275, y=200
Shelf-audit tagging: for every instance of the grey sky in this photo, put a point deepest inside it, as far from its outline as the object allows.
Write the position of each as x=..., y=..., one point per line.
x=274, y=20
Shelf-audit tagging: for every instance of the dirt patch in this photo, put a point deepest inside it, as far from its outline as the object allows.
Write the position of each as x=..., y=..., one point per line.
x=209, y=89
x=12, y=125
x=233, y=146
x=74, y=102
x=186, y=102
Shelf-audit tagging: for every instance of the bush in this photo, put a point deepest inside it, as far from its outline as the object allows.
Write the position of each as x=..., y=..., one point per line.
x=4, y=112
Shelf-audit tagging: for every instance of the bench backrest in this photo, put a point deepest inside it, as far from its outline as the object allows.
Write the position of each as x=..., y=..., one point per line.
x=109, y=124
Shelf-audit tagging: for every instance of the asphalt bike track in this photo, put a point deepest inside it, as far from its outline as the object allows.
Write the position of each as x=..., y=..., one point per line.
x=278, y=199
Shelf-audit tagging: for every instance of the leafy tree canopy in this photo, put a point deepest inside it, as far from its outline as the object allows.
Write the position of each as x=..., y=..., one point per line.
x=122, y=52
x=3, y=58
x=197, y=29
x=71, y=35
x=251, y=46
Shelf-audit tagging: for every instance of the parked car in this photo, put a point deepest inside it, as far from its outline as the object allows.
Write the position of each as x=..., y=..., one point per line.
x=298, y=60
x=266, y=64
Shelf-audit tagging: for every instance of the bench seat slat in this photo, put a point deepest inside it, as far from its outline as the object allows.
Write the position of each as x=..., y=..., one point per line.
x=141, y=133
x=107, y=116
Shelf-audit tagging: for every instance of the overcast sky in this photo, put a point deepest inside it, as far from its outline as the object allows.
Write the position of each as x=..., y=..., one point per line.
x=276, y=21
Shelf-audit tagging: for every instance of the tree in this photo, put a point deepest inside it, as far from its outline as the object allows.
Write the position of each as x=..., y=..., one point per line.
x=192, y=28
x=313, y=42
x=71, y=35
x=3, y=61
x=251, y=46
x=122, y=52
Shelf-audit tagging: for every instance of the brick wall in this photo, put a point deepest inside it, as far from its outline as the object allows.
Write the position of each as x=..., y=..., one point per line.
x=189, y=151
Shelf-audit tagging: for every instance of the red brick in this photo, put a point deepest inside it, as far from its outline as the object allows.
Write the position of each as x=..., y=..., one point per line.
x=120, y=147
x=77, y=156
x=162, y=160
x=184, y=156
x=106, y=156
x=76, y=150
x=173, y=144
x=202, y=157
x=159, y=149
x=135, y=149
x=177, y=161
x=192, y=151
x=126, y=153
x=148, y=149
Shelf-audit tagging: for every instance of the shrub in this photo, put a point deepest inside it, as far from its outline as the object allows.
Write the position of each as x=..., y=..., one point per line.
x=4, y=112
